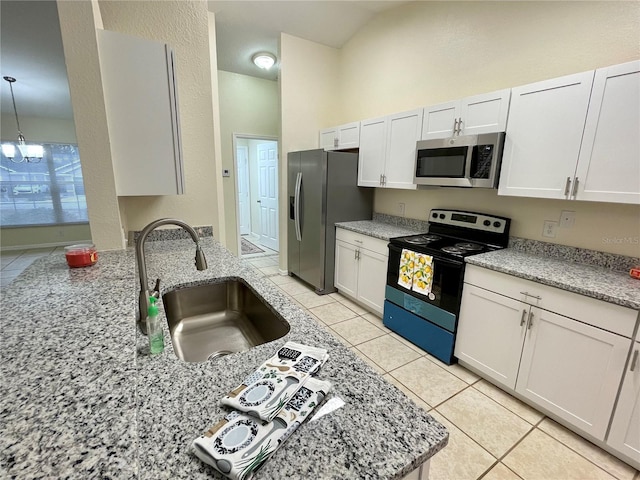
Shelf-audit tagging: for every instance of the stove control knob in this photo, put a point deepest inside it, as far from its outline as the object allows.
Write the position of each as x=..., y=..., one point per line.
x=442, y=216
x=497, y=224
x=434, y=215
x=486, y=223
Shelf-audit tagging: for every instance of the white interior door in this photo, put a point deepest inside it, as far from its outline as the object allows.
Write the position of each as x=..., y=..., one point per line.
x=268, y=193
x=244, y=210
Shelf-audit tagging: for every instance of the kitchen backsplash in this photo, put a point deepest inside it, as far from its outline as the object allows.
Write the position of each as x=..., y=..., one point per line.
x=401, y=221
x=579, y=255
x=169, y=234
x=574, y=254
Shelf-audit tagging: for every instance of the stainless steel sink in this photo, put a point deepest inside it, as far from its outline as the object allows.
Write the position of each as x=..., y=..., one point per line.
x=219, y=318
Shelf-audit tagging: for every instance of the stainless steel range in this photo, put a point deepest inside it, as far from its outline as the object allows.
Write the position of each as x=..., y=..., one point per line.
x=425, y=275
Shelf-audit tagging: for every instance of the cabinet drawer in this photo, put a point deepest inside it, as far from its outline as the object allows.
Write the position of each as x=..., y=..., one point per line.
x=364, y=241
x=597, y=313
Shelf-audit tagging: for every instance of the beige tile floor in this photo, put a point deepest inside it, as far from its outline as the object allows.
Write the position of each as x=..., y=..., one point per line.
x=493, y=436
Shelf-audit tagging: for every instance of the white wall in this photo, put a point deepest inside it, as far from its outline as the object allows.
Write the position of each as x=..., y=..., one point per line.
x=78, y=23
x=249, y=106
x=309, y=95
x=427, y=52
x=184, y=25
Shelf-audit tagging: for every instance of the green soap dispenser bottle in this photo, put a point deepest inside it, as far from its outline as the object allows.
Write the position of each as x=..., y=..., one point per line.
x=154, y=328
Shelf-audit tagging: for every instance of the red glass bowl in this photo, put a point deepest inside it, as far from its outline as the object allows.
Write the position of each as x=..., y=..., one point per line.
x=83, y=255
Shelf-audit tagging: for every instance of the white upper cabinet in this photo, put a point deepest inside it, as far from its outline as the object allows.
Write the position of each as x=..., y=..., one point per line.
x=141, y=104
x=404, y=132
x=341, y=137
x=575, y=137
x=486, y=113
x=546, y=122
x=373, y=151
x=609, y=163
x=388, y=150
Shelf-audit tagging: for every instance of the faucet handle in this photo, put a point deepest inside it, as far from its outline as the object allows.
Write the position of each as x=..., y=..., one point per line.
x=156, y=289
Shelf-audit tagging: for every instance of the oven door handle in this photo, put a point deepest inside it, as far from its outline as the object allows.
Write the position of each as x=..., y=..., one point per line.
x=436, y=260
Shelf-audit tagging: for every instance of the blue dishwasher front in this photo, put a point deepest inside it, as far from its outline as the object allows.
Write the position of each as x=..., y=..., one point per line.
x=428, y=336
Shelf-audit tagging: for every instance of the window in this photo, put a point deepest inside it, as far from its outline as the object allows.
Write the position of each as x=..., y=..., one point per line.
x=49, y=192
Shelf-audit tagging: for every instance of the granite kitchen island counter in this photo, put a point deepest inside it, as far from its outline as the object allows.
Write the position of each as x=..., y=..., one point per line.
x=81, y=397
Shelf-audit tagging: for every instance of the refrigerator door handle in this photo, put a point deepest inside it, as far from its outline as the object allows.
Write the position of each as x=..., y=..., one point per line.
x=296, y=206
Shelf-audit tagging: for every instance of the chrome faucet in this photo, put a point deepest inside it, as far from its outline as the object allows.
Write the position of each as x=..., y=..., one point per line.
x=143, y=301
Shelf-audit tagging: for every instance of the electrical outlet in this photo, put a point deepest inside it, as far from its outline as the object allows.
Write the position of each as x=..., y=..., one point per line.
x=226, y=173
x=549, y=229
x=401, y=209
x=567, y=219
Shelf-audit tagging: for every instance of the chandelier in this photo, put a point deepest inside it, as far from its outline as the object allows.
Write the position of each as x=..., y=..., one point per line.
x=30, y=153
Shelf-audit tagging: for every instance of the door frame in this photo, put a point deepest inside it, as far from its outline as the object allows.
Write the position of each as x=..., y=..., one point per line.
x=234, y=146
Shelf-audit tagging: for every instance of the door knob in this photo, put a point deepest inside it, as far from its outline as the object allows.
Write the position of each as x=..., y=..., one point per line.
x=259, y=201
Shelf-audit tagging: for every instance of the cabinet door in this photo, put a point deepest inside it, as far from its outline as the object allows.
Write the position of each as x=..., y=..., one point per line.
x=485, y=113
x=491, y=330
x=403, y=133
x=546, y=122
x=141, y=105
x=439, y=120
x=609, y=165
x=624, y=434
x=329, y=138
x=349, y=135
x=372, y=279
x=373, y=146
x=346, y=271
x=572, y=369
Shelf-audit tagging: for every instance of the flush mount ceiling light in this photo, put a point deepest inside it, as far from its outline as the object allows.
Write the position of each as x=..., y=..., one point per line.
x=264, y=60
x=30, y=153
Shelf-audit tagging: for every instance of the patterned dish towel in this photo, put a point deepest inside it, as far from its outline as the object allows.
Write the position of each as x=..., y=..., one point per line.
x=239, y=445
x=266, y=391
x=407, y=264
x=423, y=274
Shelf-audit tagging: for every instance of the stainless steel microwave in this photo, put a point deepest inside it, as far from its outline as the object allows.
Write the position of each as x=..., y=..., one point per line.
x=465, y=161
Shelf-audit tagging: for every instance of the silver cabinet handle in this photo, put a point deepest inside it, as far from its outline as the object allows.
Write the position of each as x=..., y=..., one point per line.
x=335, y=142
x=567, y=187
x=575, y=187
x=384, y=180
x=530, y=320
x=258, y=201
x=634, y=361
x=355, y=254
x=380, y=179
x=455, y=126
x=357, y=241
x=459, y=125
x=527, y=294
x=524, y=315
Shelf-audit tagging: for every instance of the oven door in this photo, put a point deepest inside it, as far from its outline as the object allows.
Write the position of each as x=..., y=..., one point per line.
x=447, y=281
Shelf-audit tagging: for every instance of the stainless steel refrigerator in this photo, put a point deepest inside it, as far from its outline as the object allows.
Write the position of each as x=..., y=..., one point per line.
x=322, y=190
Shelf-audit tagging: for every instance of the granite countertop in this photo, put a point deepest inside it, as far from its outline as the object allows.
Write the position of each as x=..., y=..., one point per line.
x=590, y=280
x=81, y=397
x=378, y=229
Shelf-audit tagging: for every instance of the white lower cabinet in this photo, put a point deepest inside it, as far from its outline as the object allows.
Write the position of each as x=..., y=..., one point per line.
x=624, y=435
x=569, y=366
x=572, y=370
x=361, y=268
x=494, y=319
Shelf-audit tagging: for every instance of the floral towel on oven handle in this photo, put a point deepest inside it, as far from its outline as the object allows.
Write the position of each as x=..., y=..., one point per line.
x=422, y=274
x=407, y=264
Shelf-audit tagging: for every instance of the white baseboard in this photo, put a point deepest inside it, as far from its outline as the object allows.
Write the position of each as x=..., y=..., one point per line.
x=283, y=272
x=42, y=245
